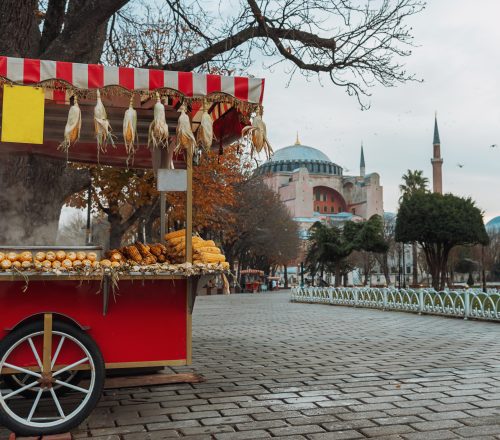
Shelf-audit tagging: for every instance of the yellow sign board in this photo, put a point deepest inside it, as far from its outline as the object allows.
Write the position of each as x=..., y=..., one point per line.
x=22, y=114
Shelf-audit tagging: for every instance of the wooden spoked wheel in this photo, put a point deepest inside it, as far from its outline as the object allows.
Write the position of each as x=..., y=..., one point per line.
x=46, y=343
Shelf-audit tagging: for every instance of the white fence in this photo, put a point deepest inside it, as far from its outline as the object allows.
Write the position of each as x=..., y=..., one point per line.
x=470, y=303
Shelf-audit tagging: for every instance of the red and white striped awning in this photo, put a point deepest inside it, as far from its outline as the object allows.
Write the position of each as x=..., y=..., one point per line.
x=26, y=71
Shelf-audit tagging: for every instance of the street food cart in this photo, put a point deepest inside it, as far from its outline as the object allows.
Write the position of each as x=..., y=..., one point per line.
x=61, y=329
x=254, y=279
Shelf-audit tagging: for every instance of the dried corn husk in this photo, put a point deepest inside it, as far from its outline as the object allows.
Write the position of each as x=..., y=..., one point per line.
x=185, y=136
x=102, y=126
x=205, y=133
x=170, y=155
x=256, y=134
x=158, y=129
x=130, y=131
x=73, y=127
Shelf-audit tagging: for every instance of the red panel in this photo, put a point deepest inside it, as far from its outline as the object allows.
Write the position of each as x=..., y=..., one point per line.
x=145, y=322
x=31, y=71
x=126, y=77
x=64, y=71
x=3, y=66
x=241, y=88
x=156, y=79
x=213, y=84
x=95, y=76
x=185, y=83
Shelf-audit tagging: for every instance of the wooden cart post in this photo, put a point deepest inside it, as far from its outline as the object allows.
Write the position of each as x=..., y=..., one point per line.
x=47, y=343
x=189, y=251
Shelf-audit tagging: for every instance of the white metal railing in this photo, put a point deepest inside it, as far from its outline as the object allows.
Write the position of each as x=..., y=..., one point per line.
x=467, y=303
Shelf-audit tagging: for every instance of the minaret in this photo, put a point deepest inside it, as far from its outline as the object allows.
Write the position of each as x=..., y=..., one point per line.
x=437, y=162
x=362, y=162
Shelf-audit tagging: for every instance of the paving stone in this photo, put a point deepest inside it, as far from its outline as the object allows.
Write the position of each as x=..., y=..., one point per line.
x=476, y=431
x=432, y=435
x=157, y=435
x=245, y=435
x=291, y=430
x=338, y=435
x=230, y=420
x=386, y=430
x=438, y=424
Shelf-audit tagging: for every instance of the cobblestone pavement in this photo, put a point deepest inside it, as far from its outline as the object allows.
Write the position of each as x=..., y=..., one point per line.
x=303, y=371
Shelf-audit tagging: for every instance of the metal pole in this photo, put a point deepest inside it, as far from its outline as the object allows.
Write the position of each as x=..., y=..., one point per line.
x=163, y=203
x=404, y=268
x=301, y=274
x=89, y=208
x=483, y=272
x=399, y=267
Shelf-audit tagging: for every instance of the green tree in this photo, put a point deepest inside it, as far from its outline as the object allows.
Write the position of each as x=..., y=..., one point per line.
x=439, y=223
x=329, y=246
x=413, y=181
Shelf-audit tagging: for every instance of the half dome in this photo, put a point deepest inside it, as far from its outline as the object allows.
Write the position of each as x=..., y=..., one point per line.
x=493, y=225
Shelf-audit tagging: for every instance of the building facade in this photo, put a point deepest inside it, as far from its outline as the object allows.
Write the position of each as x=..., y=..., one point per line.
x=314, y=187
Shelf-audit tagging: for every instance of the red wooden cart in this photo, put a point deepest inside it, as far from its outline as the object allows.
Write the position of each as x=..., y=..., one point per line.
x=59, y=333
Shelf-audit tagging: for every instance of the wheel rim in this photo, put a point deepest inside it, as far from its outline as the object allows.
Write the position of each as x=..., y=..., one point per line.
x=27, y=415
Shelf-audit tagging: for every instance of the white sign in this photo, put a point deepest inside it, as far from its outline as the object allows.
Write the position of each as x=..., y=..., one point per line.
x=172, y=180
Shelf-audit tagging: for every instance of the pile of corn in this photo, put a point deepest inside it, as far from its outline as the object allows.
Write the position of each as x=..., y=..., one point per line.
x=48, y=260
x=137, y=254
x=204, y=251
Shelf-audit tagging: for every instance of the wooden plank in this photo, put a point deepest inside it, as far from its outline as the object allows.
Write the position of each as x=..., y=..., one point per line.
x=152, y=379
x=189, y=206
x=166, y=363
x=47, y=343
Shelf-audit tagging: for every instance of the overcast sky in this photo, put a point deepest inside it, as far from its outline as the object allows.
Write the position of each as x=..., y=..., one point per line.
x=459, y=61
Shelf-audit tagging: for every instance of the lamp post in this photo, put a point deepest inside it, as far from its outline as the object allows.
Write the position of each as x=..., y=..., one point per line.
x=404, y=268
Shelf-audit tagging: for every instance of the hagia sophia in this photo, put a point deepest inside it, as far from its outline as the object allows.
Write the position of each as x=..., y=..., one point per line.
x=315, y=188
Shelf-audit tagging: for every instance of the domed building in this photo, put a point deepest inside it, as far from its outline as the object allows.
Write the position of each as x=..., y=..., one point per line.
x=315, y=188
x=493, y=226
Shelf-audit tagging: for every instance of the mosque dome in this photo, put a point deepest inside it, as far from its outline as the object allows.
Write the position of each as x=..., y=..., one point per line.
x=296, y=156
x=493, y=225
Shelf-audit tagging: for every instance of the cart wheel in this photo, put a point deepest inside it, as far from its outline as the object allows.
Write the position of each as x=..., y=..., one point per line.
x=16, y=381
x=56, y=413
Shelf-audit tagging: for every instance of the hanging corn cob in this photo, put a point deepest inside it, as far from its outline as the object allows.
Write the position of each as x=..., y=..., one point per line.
x=158, y=129
x=102, y=126
x=73, y=126
x=205, y=133
x=130, y=131
x=257, y=136
x=185, y=136
x=170, y=155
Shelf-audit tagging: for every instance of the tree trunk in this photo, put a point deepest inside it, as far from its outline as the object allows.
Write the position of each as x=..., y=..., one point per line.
x=385, y=268
x=338, y=275
x=19, y=33
x=34, y=189
x=285, y=274
x=116, y=231
x=414, y=250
